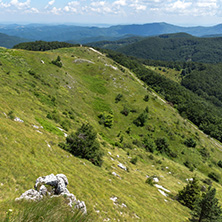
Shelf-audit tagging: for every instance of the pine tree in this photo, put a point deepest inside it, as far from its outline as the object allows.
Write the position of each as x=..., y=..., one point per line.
x=190, y=193
x=207, y=209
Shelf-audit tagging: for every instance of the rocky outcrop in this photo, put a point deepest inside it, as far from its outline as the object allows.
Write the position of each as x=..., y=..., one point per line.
x=53, y=186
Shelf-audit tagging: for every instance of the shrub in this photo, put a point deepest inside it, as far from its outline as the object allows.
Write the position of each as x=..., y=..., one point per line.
x=149, y=144
x=134, y=160
x=204, y=153
x=83, y=144
x=146, y=98
x=57, y=62
x=125, y=111
x=162, y=145
x=65, y=124
x=149, y=180
x=141, y=119
x=214, y=176
x=118, y=98
x=106, y=119
x=190, y=142
x=219, y=163
x=11, y=115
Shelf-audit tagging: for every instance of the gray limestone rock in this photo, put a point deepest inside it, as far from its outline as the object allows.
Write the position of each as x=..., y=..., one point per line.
x=53, y=186
x=30, y=195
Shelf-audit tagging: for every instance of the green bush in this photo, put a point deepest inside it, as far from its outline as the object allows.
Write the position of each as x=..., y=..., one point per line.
x=84, y=144
x=118, y=98
x=219, y=163
x=125, y=111
x=214, y=176
x=190, y=142
x=134, y=160
x=149, y=180
x=149, y=144
x=146, y=98
x=141, y=119
x=57, y=62
x=106, y=119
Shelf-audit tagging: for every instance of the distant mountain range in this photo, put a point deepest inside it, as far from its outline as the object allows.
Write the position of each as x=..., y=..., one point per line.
x=80, y=34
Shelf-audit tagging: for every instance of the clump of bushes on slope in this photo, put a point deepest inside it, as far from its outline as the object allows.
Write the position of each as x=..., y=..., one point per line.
x=83, y=144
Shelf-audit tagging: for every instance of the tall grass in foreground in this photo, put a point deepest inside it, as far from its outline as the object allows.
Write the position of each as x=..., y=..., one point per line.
x=49, y=209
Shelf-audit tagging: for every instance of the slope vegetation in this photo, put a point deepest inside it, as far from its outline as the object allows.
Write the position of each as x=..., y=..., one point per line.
x=42, y=102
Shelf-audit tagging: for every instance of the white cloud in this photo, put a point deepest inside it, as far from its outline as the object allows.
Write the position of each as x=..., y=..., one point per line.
x=32, y=10
x=138, y=7
x=71, y=7
x=56, y=11
x=120, y=3
x=50, y=3
x=20, y=5
x=4, y=5
x=98, y=4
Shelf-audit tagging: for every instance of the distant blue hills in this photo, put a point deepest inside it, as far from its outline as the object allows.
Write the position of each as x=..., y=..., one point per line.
x=83, y=34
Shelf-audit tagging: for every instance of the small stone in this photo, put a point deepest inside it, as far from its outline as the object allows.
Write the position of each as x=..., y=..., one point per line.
x=120, y=165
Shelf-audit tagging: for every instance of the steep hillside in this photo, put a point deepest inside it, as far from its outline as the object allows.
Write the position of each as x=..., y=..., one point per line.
x=43, y=100
x=170, y=47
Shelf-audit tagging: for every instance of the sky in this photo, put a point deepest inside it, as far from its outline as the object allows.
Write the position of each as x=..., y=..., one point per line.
x=177, y=12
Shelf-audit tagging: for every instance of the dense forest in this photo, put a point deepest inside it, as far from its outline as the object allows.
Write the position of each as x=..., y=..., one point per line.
x=42, y=45
x=202, y=107
x=169, y=47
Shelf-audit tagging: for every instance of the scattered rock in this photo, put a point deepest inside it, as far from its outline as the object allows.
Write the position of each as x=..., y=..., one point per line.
x=83, y=60
x=123, y=205
x=115, y=174
x=38, y=131
x=114, y=199
x=113, y=67
x=120, y=165
x=155, y=179
x=54, y=186
x=37, y=127
x=162, y=188
x=162, y=192
x=18, y=120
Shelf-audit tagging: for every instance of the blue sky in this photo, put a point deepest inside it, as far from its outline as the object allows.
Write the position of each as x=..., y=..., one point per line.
x=178, y=12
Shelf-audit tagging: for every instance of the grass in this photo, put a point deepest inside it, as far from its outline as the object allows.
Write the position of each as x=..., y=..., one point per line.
x=85, y=92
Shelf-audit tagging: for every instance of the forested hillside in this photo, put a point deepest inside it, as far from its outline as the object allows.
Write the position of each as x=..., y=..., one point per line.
x=42, y=45
x=170, y=47
x=9, y=41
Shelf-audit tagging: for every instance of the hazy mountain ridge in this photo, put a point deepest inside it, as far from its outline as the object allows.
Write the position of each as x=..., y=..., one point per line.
x=82, y=34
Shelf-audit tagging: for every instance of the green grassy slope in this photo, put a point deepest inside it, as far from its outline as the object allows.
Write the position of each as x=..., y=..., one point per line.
x=86, y=85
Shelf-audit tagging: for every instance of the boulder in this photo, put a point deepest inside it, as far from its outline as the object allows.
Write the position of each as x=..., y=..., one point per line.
x=30, y=195
x=53, y=186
